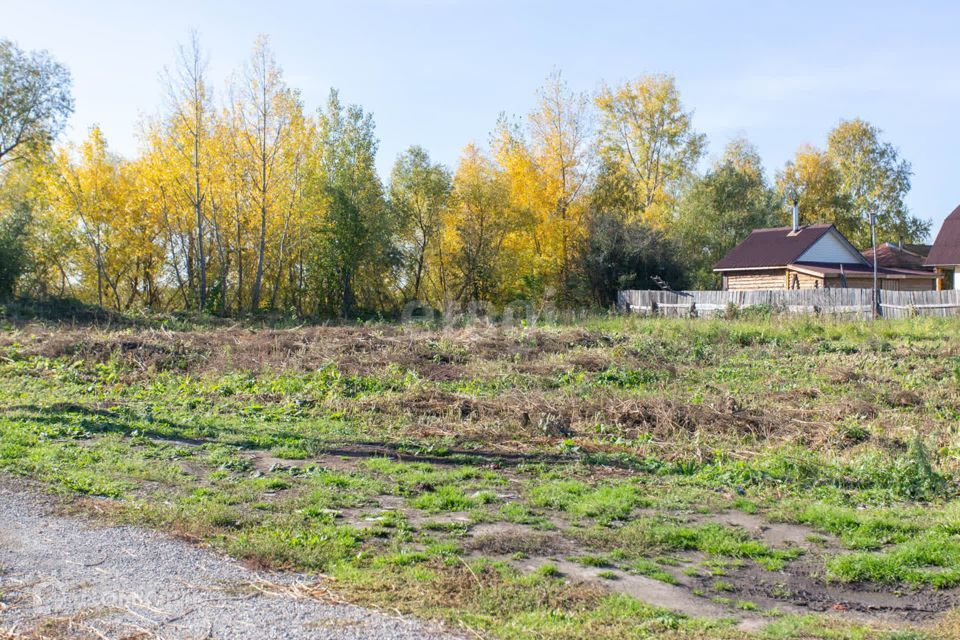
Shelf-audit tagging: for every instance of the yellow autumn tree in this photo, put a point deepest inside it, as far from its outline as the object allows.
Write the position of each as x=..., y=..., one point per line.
x=549, y=172
x=187, y=166
x=476, y=258
x=117, y=261
x=266, y=114
x=143, y=280
x=647, y=148
x=49, y=244
x=812, y=177
x=226, y=186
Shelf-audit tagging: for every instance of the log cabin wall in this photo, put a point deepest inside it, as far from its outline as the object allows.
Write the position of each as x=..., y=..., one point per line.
x=805, y=281
x=755, y=280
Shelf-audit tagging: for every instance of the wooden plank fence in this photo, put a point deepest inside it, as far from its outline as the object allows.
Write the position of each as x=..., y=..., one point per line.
x=847, y=302
x=907, y=304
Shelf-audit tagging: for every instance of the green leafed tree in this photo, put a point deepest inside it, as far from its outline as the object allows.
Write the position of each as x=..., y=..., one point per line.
x=13, y=250
x=721, y=209
x=874, y=179
x=419, y=191
x=356, y=252
x=35, y=101
x=619, y=254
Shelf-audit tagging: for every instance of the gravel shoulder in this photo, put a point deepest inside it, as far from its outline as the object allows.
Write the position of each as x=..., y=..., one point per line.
x=67, y=577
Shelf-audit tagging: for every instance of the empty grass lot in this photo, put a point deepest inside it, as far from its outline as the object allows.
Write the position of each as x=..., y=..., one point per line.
x=623, y=478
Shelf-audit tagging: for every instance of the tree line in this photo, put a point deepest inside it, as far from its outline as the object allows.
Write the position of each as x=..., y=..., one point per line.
x=251, y=203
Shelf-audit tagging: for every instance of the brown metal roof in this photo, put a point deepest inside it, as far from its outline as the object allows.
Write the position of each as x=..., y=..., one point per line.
x=946, y=248
x=765, y=248
x=861, y=270
x=892, y=255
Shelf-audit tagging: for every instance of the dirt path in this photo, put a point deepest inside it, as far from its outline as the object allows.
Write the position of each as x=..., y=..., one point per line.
x=62, y=577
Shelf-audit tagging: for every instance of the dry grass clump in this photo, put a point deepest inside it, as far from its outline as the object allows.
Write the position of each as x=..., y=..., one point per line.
x=667, y=418
x=434, y=355
x=904, y=398
x=77, y=626
x=483, y=589
x=947, y=627
x=314, y=589
x=850, y=408
x=507, y=540
x=847, y=375
x=531, y=419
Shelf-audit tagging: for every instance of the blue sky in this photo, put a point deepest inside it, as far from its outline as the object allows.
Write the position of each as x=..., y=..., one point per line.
x=438, y=72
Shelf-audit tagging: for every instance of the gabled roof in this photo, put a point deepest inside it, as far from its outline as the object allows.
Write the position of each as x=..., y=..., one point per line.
x=778, y=247
x=946, y=248
x=889, y=254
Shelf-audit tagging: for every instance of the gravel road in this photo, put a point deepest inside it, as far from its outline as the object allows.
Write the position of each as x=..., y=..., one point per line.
x=62, y=576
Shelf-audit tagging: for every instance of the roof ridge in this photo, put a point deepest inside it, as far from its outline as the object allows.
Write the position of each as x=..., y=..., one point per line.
x=774, y=247
x=816, y=225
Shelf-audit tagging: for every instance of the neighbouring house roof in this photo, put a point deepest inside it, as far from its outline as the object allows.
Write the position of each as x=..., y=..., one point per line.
x=778, y=247
x=832, y=269
x=918, y=249
x=946, y=248
x=909, y=256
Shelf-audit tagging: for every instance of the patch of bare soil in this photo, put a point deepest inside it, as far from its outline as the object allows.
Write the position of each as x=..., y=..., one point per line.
x=536, y=548
x=673, y=597
x=266, y=462
x=774, y=534
x=801, y=587
x=798, y=588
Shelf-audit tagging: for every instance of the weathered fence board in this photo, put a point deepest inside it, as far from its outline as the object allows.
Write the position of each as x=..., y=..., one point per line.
x=906, y=304
x=858, y=302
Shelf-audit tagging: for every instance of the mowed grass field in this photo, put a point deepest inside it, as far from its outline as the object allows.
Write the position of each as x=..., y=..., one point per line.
x=622, y=478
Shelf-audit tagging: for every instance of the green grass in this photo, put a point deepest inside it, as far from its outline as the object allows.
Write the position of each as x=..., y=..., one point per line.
x=604, y=504
x=858, y=528
x=592, y=561
x=450, y=498
x=650, y=536
x=653, y=570
x=928, y=559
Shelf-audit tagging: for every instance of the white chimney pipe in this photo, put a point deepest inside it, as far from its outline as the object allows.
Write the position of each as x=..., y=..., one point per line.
x=796, y=215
